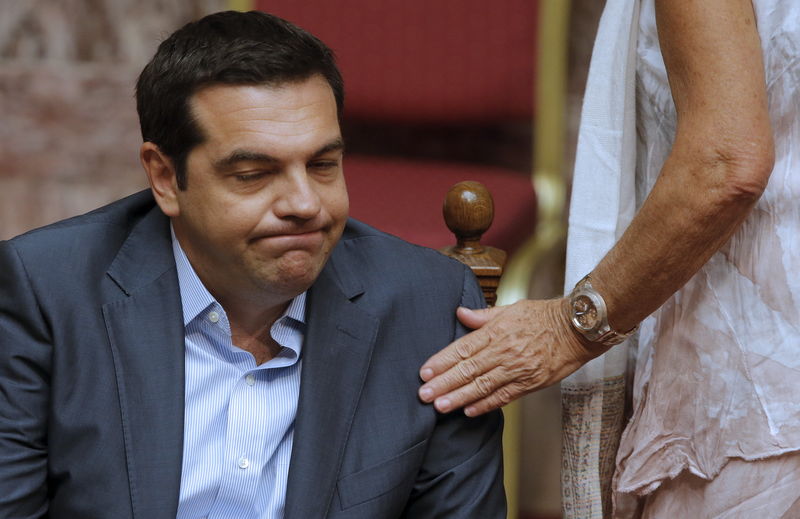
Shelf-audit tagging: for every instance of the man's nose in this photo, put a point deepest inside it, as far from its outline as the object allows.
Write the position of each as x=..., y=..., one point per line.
x=298, y=197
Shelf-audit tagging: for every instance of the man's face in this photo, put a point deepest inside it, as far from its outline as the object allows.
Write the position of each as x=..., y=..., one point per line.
x=266, y=200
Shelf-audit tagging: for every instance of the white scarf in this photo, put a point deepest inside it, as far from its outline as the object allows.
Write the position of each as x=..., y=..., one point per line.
x=603, y=204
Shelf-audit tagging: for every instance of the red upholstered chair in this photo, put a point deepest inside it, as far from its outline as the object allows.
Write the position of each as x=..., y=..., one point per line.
x=436, y=92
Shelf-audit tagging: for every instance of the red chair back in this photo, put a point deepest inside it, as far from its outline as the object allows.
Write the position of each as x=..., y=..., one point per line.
x=426, y=60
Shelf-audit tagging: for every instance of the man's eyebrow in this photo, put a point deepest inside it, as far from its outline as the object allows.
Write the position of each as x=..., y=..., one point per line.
x=241, y=155
x=237, y=156
x=335, y=145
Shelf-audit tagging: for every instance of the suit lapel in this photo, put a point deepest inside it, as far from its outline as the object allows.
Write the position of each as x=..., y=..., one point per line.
x=146, y=333
x=336, y=356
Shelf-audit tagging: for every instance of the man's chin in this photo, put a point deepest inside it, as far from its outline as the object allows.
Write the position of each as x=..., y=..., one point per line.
x=295, y=272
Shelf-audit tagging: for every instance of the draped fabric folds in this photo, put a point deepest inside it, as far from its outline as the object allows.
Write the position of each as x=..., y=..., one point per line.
x=715, y=413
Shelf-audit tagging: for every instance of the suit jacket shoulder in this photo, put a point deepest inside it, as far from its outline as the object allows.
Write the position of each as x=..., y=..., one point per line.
x=396, y=270
x=79, y=250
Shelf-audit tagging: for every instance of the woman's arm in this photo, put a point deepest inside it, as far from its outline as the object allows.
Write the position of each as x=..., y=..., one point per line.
x=719, y=164
x=718, y=167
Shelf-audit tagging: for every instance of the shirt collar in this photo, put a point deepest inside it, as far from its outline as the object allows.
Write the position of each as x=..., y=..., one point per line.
x=195, y=297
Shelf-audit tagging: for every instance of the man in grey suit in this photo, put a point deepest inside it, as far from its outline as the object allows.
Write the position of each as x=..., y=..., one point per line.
x=228, y=343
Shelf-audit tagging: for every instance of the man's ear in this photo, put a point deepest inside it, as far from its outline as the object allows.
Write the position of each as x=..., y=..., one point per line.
x=161, y=175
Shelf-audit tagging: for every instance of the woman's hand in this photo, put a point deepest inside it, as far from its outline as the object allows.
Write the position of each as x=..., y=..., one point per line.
x=516, y=349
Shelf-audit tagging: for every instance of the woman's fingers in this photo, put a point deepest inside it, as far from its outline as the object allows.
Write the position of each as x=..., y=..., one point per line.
x=463, y=348
x=454, y=366
x=500, y=397
x=479, y=388
x=477, y=318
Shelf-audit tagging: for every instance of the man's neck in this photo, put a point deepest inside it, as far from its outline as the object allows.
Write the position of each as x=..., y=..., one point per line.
x=250, y=329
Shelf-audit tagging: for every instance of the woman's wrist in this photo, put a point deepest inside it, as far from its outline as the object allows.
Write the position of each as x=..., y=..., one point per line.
x=588, y=314
x=584, y=349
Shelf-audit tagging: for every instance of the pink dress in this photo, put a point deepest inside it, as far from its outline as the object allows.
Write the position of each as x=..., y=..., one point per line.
x=715, y=430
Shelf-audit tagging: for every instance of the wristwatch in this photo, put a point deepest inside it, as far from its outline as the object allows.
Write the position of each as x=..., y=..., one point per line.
x=589, y=316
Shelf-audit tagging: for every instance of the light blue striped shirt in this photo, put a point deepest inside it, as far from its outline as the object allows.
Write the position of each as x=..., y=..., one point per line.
x=239, y=417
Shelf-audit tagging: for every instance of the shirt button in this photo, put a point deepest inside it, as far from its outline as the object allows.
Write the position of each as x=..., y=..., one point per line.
x=243, y=462
x=250, y=379
x=213, y=317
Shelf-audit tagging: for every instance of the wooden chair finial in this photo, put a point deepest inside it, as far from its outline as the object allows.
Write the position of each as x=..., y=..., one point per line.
x=468, y=212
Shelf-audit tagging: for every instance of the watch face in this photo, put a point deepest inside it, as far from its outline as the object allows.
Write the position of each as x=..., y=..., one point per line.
x=584, y=313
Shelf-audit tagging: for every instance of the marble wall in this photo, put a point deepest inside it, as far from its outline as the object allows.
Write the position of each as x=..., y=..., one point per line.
x=69, y=134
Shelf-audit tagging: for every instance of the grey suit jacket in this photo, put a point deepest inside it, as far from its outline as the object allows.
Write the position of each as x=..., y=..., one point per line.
x=92, y=379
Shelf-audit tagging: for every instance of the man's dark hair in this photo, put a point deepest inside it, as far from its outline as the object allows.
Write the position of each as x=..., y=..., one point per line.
x=229, y=48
